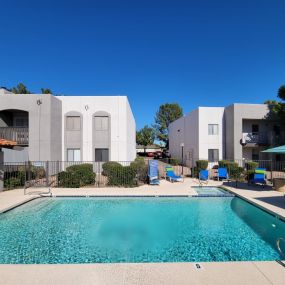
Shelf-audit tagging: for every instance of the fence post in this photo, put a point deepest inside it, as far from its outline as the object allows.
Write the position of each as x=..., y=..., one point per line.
x=47, y=173
x=1, y=170
x=271, y=166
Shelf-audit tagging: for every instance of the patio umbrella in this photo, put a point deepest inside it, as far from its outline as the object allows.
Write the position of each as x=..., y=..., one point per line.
x=279, y=149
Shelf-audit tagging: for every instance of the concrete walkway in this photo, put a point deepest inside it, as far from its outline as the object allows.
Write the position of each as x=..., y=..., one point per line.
x=148, y=273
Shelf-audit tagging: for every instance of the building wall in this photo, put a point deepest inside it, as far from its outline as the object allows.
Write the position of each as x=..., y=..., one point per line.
x=235, y=115
x=188, y=134
x=122, y=140
x=131, y=133
x=210, y=115
x=44, y=140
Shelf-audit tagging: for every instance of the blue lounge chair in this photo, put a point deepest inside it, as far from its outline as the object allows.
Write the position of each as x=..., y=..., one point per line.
x=171, y=175
x=153, y=172
x=259, y=176
x=222, y=173
x=203, y=176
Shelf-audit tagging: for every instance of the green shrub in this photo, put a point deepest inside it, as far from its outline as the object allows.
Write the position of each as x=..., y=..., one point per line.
x=202, y=164
x=108, y=165
x=77, y=176
x=233, y=168
x=68, y=179
x=138, y=163
x=250, y=168
x=251, y=165
x=14, y=179
x=141, y=169
x=122, y=176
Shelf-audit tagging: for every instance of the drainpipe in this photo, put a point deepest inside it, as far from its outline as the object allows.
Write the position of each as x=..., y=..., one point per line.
x=1, y=170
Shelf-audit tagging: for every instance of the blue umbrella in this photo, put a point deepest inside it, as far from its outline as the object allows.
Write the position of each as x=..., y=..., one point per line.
x=279, y=149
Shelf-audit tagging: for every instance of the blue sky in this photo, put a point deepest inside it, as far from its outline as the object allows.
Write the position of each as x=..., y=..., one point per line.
x=207, y=53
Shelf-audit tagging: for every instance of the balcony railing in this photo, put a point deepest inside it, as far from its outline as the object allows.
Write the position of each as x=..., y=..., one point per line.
x=18, y=135
x=255, y=138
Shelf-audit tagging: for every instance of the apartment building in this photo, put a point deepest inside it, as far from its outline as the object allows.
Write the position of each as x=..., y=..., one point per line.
x=43, y=127
x=236, y=132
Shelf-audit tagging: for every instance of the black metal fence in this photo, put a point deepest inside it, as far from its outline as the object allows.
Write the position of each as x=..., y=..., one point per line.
x=72, y=174
x=119, y=174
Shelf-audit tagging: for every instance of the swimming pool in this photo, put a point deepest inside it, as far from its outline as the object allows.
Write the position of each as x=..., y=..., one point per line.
x=104, y=230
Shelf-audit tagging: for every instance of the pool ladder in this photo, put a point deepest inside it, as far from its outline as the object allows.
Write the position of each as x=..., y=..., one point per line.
x=278, y=245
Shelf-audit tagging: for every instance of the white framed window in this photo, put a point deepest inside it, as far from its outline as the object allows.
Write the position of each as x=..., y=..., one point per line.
x=101, y=123
x=213, y=129
x=73, y=154
x=73, y=123
x=213, y=155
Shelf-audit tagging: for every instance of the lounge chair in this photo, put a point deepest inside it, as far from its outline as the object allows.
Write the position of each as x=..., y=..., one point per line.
x=171, y=175
x=259, y=176
x=153, y=172
x=222, y=173
x=203, y=176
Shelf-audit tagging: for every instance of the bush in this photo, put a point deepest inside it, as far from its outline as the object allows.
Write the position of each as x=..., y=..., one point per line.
x=234, y=170
x=108, y=165
x=77, y=176
x=202, y=164
x=141, y=169
x=122, y=176
x=14, y=179
x=68, y=179
x=250, y=168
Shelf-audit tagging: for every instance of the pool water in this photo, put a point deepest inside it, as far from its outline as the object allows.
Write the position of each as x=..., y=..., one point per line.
x=211, y=191
x=104, y=230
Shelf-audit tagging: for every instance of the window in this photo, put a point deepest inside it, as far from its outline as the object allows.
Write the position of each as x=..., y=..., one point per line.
x=213, y=129
x=101, y=123
x=255, y=128
x=213, y=155
x=73, y=123
x=101, y=154
x=73, y=154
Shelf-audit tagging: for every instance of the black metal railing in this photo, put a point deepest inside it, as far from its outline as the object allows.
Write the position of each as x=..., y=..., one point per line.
x=65, y=174
x=15, y=134
x=255, y=138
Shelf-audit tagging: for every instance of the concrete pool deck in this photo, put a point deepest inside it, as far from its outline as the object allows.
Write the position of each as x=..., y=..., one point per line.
x=148, y=273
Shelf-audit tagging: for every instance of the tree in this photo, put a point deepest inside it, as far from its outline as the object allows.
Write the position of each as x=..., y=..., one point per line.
x=145, y=136
x=46, y=91
x=277, y=109
x=281, y=92
x=166, y=114
x=20, y=89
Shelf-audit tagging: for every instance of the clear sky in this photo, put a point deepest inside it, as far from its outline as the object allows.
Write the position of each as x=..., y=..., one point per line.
x=203, y=52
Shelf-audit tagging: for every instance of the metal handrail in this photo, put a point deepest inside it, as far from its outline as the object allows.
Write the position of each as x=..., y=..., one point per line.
x=18, y=134
x=278, y=245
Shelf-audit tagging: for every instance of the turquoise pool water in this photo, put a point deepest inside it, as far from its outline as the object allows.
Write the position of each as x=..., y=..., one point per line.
x=211, y=191
x=89, y=230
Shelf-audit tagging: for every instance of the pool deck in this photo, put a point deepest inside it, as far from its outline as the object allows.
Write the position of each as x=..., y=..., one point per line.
x=149, y=273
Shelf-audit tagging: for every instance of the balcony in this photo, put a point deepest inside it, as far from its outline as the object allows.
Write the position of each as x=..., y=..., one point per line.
x=18, y=135
x=252, y=139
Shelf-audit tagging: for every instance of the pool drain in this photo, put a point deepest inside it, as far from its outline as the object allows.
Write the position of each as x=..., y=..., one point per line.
x=198, y=266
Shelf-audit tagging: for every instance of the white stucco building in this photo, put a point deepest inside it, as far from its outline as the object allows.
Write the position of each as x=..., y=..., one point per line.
x=236, y=132
x=66, y=128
